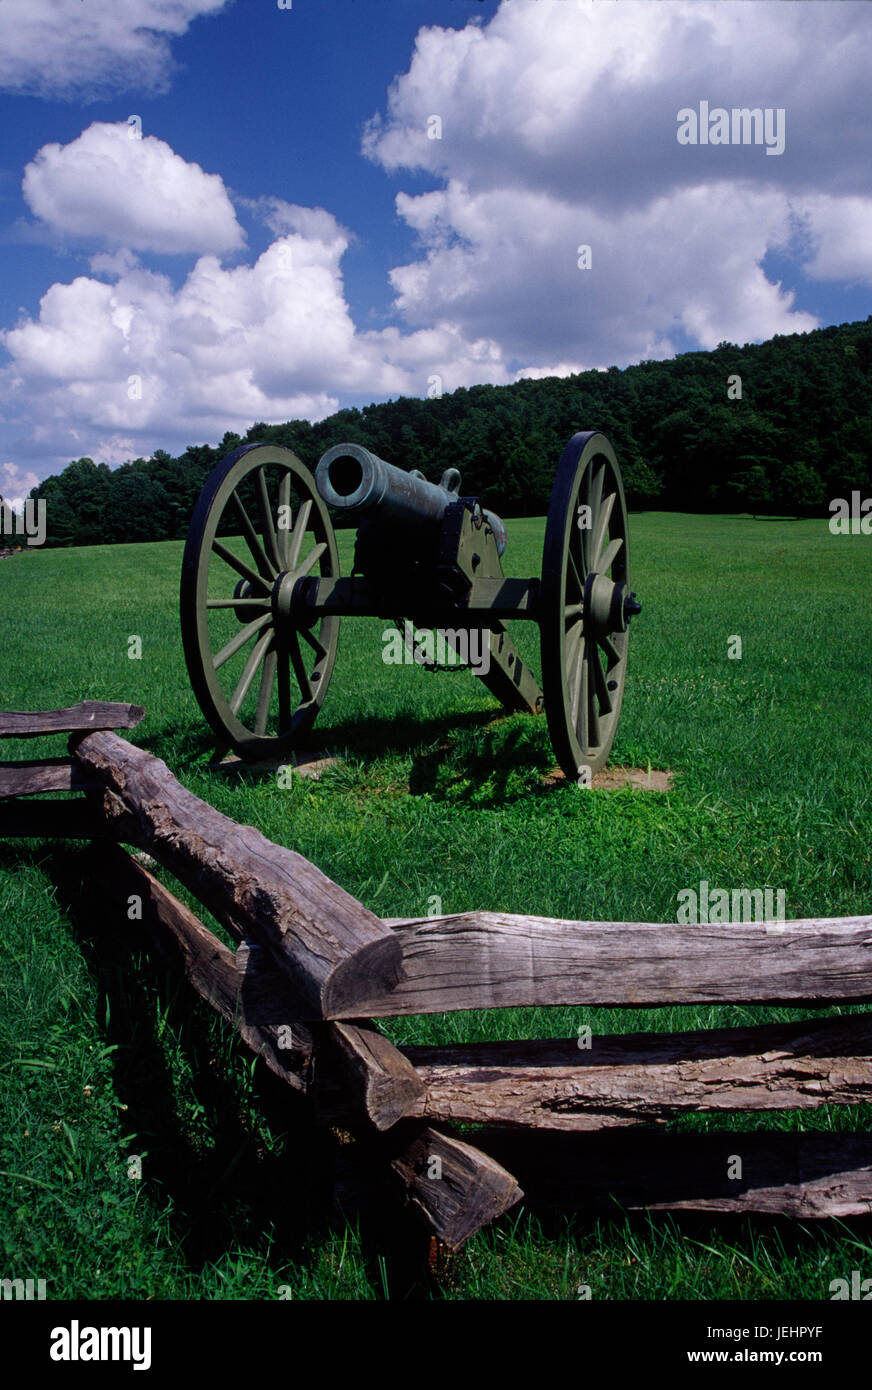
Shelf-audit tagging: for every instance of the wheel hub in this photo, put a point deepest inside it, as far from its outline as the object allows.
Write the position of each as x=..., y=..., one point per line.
x=608, y=605
x=282, y=595
x=287, y=611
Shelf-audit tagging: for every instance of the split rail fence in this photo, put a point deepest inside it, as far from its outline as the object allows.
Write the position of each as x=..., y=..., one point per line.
x=565, y=1127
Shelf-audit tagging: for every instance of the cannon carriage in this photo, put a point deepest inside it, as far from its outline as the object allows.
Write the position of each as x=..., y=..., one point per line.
x=262, y=594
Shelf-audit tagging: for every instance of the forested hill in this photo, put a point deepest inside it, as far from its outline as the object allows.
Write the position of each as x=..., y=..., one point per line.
x=778, y=428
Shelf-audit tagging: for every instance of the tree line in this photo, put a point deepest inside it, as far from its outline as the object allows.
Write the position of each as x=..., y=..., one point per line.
x=775, y=428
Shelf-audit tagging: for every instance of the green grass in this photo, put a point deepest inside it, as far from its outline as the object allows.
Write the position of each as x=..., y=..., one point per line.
x=105, y=1055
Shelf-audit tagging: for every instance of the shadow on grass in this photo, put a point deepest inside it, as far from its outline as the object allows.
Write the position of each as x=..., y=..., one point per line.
x=491, y=765
x=241, y=1169
x=483, y=740
x=486, y=758
x=368, y=740
x=181, y=744
x=220, y=1190
x=754, y=516
x=365, y=739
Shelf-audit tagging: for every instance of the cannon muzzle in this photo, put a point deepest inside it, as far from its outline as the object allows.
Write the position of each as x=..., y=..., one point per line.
x=352, y=479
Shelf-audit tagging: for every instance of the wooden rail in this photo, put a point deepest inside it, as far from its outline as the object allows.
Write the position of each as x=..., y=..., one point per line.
x=490, y=960
x=89, y=715
x=645, y=1078
x=333, y=949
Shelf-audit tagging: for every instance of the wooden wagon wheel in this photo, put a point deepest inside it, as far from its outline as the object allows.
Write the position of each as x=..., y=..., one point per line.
x=585, y=604
x=258, y=526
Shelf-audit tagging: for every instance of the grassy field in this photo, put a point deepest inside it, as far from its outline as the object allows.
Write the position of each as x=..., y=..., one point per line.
x=105, y=1056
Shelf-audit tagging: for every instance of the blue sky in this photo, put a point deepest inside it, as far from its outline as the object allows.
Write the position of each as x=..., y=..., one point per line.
x=287, y=236
x=273, y=100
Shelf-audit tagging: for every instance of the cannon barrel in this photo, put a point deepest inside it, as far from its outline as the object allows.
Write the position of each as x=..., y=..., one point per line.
x=352, y=479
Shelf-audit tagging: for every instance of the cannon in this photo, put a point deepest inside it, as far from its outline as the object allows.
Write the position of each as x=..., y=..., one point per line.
x=262, y=595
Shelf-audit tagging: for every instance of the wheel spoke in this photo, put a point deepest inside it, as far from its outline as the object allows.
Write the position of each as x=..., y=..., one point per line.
x=242, y=636
x=599, y=532
x=311, y=559
x=267, y=682
x=610, y=650
x=573, y=570
x=583, y=534
x=284, y=532
x=575, y=672
x=296, y=539
x=599, y=682
x=258, y=652
x=238, y=602
x=269, y=531
x=576, y=549
x=314, y=642
x=300, y=671
x=579, y=711
x=574, y=642
x=284, y=679
x=609, y=555
x=594, y=497
x=239, y=565
x=592, y=713
x=260, y=556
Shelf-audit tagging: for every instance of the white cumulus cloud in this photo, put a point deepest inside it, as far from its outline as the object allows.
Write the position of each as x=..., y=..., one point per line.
x=555, y=127
x=15, y=485
x=130, y=192
x=839, y=234
x=583, y=97
x=87, y=49
x=121, y=367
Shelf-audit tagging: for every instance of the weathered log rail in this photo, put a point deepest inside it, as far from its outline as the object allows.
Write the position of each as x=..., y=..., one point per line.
x=490, y=960
x=58, y=774
x=313, y=967
x=333, y=949
x=86, y=717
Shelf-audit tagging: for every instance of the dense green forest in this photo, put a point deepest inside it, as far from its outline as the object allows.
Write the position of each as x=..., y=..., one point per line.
x=775, y=428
